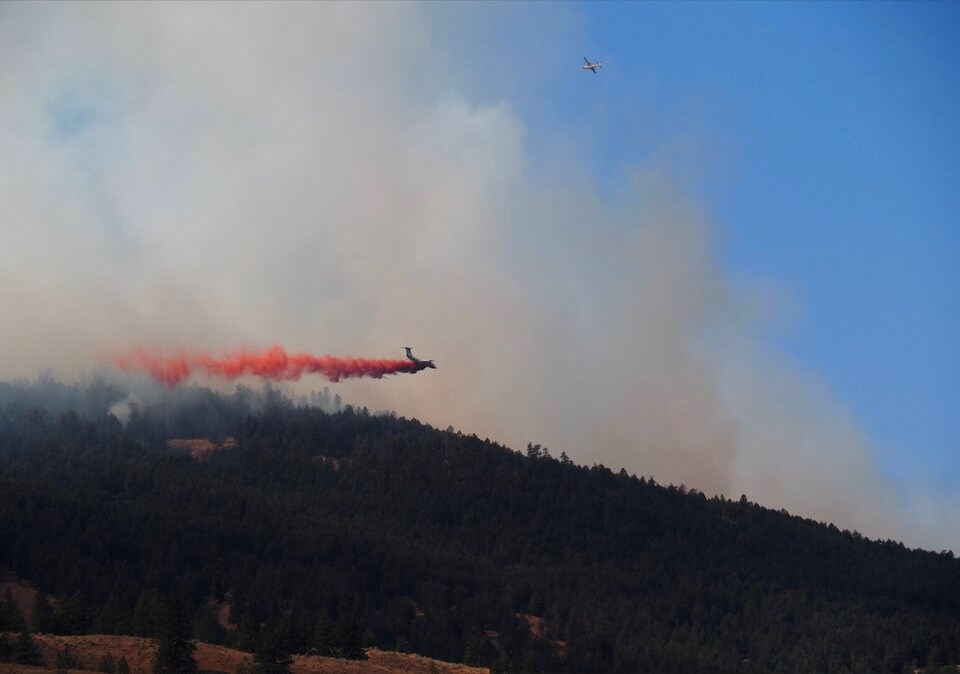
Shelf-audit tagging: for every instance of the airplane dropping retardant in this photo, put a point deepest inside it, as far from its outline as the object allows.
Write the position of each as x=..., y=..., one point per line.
x=425, y=363
x=592, y=67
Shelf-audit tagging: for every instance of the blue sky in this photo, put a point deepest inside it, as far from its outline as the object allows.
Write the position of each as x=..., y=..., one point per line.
x=824, y=139
x=843, y=122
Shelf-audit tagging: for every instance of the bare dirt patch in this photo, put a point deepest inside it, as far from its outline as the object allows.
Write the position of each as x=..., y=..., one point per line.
x=538, y=628
x=331, y=460
x=536, y=624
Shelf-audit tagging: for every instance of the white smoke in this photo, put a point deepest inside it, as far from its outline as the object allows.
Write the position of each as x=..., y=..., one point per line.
x=122, y=409
x=313, y=175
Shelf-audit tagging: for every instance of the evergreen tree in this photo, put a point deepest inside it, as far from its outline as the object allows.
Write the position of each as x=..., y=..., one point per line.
x=502, y=665
x=25, y=651
x=248, y=632
x=108, y=617
x=72, y=616
x=6, y=647
x=175, y=649
x=147, y=614
x=324, y=641
x=11, y=617
x=207, y=628
x=531, y=664
x=107, y=664
x=65, y=660
x=347, y=640
x=42, y=616
x=471, y=655
x=272, y=656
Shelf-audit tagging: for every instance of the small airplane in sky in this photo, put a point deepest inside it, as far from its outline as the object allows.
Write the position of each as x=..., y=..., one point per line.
x=425, y=363
x=592, y=67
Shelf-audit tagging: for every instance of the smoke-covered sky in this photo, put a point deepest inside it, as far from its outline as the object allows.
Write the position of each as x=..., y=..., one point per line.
x=350, y=179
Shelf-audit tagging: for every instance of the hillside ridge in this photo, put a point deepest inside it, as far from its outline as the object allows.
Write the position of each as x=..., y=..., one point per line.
x=324, y=530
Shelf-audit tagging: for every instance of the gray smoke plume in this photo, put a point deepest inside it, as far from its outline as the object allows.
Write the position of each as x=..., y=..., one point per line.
x=313, y=175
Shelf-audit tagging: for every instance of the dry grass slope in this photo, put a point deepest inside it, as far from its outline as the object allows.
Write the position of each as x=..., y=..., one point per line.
x=89, y=649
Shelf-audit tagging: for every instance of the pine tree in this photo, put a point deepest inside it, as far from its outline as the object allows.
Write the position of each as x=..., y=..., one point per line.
x=347, y=639
x=175, y=650
x=72, y=617
x=25, y=651
x=65, y=659
x=6, y=647
x=502, y=665
x=471, y=655
x=530, y=663
x=248, y=633
x=324, y=640
x=107, y=617
x=146, y=615
x=207, y=628
x=11, y=618
x=42, y=617
x=107, y=664
x=272, y=656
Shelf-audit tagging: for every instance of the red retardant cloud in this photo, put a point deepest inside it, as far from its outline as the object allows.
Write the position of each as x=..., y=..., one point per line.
x=271, y=363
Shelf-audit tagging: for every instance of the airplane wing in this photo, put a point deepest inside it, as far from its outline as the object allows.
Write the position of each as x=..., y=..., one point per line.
x=593, y=70
x=586, y=60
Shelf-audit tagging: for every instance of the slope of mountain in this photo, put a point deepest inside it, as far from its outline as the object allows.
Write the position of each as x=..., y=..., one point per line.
x=91, y=652
x=319, y=530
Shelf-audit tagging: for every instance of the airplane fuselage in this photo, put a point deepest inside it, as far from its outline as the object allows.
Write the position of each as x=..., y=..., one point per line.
x=422, y=363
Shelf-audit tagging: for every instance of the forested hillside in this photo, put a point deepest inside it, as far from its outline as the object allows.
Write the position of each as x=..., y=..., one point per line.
x=324, y=532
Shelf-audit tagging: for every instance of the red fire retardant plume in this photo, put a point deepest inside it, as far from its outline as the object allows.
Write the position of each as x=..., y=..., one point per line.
x=271, y=363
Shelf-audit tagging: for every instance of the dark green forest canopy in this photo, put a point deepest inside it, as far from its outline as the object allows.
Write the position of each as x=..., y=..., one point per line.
x=327, y=531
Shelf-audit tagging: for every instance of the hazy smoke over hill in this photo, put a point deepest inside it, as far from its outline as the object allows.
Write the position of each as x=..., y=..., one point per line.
x=219, y=176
